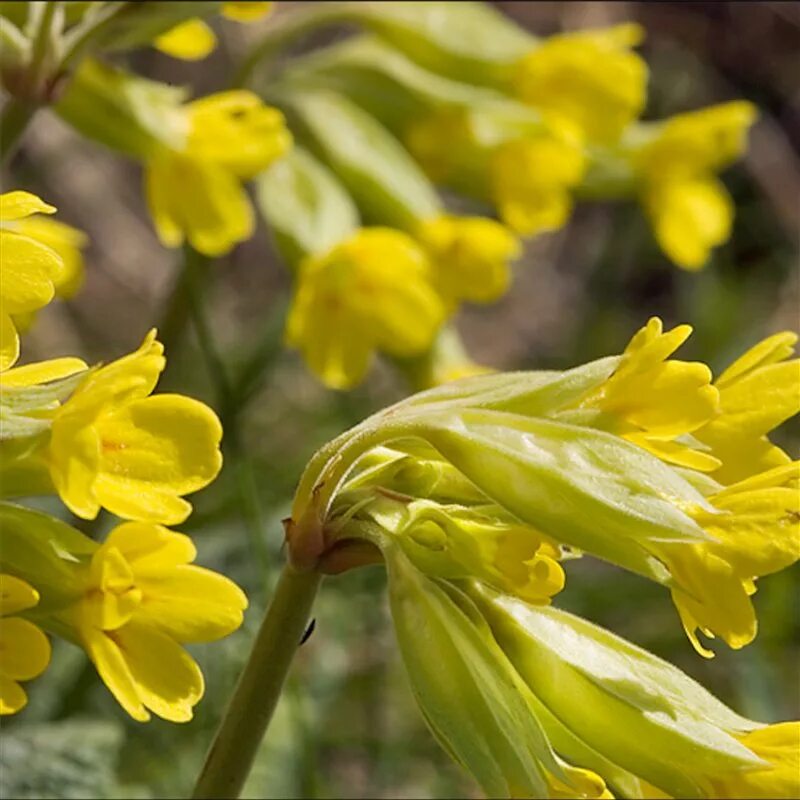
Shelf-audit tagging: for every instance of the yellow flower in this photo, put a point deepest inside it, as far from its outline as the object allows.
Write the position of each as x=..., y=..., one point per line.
x=143, y=597
x=29, y=269
x=470, y=257
x=652, y=401
x=24, y=649
x=779, y=746
x=757, y=393
x=193, y=39
x=756, y=527
x=370, y=292
x=114, y=446
x=196, y=192
x=690, y=210
x=590, y=79
x=530, y=182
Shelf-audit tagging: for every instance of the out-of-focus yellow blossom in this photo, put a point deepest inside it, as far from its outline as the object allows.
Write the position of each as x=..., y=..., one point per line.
x=113, y=446
x=653, y=401
x=689, y=208
x=372, y=291
x=756, y=525
x=24, y=649
x=590, y=79
x=531, y=180
x=470, y=257
x=197, y=192
x=143, y=597
x=194, y=39
x=779, y=746
x=757, y=393
x=29, y=268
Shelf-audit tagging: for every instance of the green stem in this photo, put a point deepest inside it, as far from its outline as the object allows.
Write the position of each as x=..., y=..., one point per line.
x=13, y=121
x=193, y=281
x=259, y=688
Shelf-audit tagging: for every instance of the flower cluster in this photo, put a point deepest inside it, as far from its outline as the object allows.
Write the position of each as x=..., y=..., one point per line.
x=477, y=494
x=99, y=438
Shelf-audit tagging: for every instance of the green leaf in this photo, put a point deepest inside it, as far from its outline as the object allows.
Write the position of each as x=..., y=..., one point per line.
x=306, y=207
x=385, y=181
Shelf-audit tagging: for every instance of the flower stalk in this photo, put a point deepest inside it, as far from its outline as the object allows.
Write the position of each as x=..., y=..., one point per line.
x=255, y=698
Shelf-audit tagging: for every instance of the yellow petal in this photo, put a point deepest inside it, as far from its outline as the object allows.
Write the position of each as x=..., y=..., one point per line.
x=246, y=11
x=771, y=350
x=151, y=549
x=24, y=648
x=66, y=241
x=16, y=595
x=199, y=200
x=74, y=459
x=690, y=218
x=9, y=342
x=43, y=371
x=154, y=450
x=104, y=651
x=18, y=205
x=114, y=596
x=12, y=696
x=29, y=271
x=165, y=677
x=191, y=40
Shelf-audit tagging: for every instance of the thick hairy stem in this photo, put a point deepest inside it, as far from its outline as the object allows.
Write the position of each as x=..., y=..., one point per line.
x=259, y=688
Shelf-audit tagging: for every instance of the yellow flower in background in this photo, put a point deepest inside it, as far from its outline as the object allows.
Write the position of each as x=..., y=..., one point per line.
x=29, y=268
x=758, y=392
x=756, y=525
x=470, y=256
x=370, y=292
x=143, y=598
x=196, y=193
x=114, y=446
x=689, y=208
x=531, y=180
x=194, y=39
x=779, y=747
x=24, y=649
x=589, y=79
x=654, y=400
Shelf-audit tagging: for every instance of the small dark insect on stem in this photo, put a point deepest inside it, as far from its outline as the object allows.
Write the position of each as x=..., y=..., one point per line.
x=309, y=631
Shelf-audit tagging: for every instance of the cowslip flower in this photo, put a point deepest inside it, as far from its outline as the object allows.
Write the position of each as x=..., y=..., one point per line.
x=373, y=291
x=531, y=179
x=195, y=191
x=590, y=79
x=689, y=208
x=29, y=267
x=24, y=649
x=756, y=394
x=470, y=256
x=140, y=599
x=194, y=39
x=653, y=400
x=114, y=446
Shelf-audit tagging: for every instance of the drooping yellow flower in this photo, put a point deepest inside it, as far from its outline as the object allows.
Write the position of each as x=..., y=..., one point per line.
x=758, y=392
x=531, y=180
x=590, y=79
x=652, y=401
x=372, y=291
x=29, y=268
x=114, y=446
x=756, y=527
x=193, y=39
x=689, y=208
x=24, y=649
x=143, y=598
x=779, y=746
x=470, y=257
x=196, y=193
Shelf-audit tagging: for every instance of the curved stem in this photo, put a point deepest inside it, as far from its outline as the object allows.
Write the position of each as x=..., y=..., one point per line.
x=259, y=688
